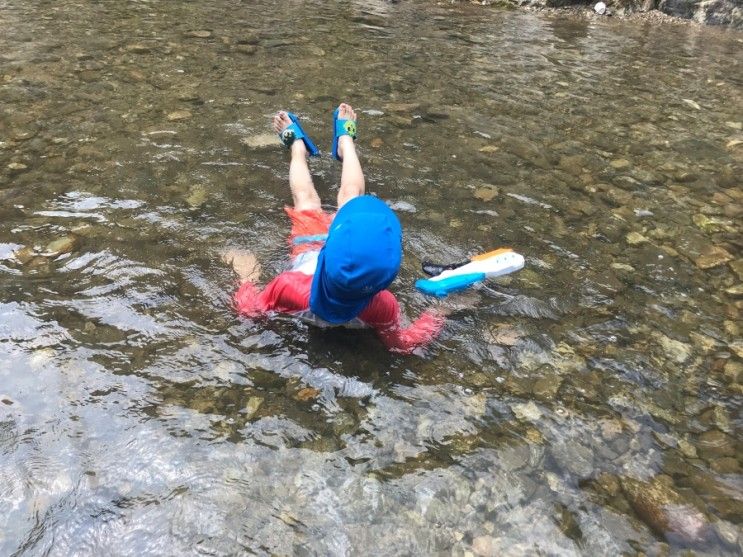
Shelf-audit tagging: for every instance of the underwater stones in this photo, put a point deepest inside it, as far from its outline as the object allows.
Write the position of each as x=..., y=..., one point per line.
x=715, y=443
x=626, y=183
x=718, y=417
x=703, y=342
x=607, y=484
x=247, y=49
x=664, y=510
x=725, y=465
x=17, y=167
x=137, y=48
x=610, y=428
x=403, y=206
x=526, y=411
x=711, y=225
x=261, y=141
x=306, y=393
x=251, y=39
x=733, y=371
x=574, y=458
x=197, y=196
x=729, y=533
x=545, y=388
x=61, y=245
x=687, y=449
x=737, y=347
x=731, y=328
x=620, y=164
x=198, y=34
x=24, y=255
x=735, y=291
x=712, y=256
x=527, y=151
x=486, y=193
x=502, y=334
x=179, y=115
x=678, y=351
x=252, y=406
x=402, y=107
x=483, y=546
x=635, y=239
x=733, y=211
x=573, y=164
x=23, y=132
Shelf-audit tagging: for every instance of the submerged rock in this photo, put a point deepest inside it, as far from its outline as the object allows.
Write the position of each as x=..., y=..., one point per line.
x=246, y=49
x=715, y=443
x=198, y=34
x=24, y=254
x=252, y=406
x=179, y=115
x=486, y=193
x=663, y=509
x=526, y=411
x=712, y=256
x=60, y=246
x=197, y=196
x=635, y=238
x=261, y=141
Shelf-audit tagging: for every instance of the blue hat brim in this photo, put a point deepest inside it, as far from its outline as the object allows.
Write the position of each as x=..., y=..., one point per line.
x=325, y=306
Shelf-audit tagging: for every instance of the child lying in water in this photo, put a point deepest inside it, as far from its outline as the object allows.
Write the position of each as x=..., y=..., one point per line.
x=342, y=263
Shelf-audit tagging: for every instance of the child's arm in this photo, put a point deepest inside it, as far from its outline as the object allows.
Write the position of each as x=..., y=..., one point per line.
x=383, y=314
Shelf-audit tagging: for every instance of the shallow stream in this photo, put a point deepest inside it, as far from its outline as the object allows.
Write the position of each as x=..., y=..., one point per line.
x=588, y=405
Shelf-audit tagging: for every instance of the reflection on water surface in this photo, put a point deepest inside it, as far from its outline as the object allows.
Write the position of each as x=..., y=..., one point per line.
x=588, y=405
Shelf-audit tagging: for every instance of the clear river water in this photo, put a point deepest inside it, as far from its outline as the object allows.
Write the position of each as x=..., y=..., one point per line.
x=588, y=405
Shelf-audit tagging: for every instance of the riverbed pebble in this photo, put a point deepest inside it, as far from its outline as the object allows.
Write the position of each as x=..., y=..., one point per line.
x=635, y=239
x=712, y=256
x=198, y=34
x=61, y=245
x=261, y=141
x=179, y=115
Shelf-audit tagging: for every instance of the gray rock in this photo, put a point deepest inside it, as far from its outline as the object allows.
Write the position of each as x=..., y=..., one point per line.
x=577, y=459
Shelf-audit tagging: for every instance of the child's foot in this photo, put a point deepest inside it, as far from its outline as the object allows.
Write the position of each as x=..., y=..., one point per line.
x=345, y=142
x=281, y=121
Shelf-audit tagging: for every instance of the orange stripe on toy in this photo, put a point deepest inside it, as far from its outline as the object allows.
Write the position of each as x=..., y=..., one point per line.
x=490, y=254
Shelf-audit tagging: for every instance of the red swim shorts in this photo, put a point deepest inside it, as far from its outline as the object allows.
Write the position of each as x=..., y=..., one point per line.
x=308, y=229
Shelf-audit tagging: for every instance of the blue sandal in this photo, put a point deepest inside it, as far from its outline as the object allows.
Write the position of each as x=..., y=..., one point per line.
x=294, y=131
x=341, y=127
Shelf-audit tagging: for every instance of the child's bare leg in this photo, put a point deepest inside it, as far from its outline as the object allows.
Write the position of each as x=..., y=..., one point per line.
x=352, y=177
x=244, y=263
x=300, y=180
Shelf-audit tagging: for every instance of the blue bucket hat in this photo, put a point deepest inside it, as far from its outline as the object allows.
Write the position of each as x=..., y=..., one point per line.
x=360, y=258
